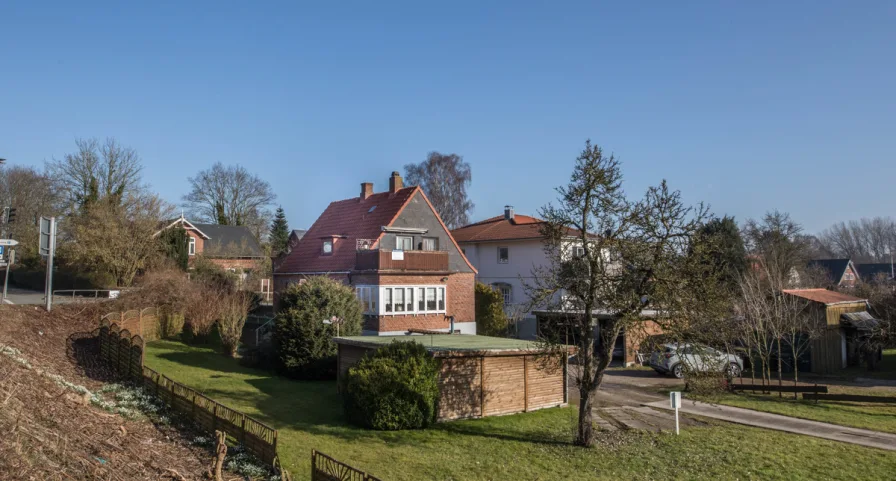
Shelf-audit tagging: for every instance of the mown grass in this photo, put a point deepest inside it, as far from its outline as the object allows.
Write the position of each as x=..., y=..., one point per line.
x=531, y=446
x=875, y=416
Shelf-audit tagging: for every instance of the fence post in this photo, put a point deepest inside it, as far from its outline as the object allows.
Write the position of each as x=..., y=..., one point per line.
x=243, y=431
x=215, y=417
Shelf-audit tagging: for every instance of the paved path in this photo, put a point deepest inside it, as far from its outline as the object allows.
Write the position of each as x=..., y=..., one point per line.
x=777, y=422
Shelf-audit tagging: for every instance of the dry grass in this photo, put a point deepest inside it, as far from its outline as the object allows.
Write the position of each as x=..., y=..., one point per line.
x=50, y=432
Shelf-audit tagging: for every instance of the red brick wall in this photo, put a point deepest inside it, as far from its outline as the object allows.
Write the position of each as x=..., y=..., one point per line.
x=460, y=295
x=635, y=335
x=459, y=292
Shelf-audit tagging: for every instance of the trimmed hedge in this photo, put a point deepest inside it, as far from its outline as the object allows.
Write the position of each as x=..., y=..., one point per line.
x=395, y=387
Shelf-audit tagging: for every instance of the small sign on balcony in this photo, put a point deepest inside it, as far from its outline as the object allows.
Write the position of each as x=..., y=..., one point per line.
x=364, y=244
x=397, y=255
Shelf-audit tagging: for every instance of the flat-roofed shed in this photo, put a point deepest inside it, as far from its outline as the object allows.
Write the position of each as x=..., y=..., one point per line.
x=479, y=375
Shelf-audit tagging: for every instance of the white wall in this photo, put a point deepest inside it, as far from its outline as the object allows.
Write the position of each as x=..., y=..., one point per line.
x=524, y=256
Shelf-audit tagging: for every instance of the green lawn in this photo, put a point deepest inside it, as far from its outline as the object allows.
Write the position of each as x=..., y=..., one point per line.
x=885, y=370
x=879, y=417
x=532, y=446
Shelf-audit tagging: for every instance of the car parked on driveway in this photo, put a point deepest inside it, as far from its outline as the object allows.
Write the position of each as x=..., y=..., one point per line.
x=676, y=359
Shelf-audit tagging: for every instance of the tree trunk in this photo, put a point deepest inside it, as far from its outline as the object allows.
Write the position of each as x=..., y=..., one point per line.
x=780, y=369
x=220, y=454
x=585, y=434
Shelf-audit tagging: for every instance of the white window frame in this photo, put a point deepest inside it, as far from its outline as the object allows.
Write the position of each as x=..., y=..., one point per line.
x=506, y=260
x=435, y=243
x=506, y=291
x=578, y=251
x=410, y=296
x=191, y=246
x=398, y=242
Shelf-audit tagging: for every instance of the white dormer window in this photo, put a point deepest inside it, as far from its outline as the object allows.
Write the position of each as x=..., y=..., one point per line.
x=191, y=246
x=404, y=243
x=328, y=247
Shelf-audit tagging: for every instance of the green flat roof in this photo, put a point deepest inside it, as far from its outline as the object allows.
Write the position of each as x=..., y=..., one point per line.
x=448, y=342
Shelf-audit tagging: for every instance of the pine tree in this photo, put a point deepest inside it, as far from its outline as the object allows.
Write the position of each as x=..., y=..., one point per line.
x=279, y=232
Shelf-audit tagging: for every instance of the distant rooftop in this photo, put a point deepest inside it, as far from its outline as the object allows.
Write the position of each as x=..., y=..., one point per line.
x=823, y=296
x=454, y=343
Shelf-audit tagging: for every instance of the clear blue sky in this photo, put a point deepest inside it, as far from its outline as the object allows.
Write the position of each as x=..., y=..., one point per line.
x=748, y=106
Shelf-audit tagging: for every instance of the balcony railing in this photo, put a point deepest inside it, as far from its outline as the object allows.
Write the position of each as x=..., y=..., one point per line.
x=386, y=260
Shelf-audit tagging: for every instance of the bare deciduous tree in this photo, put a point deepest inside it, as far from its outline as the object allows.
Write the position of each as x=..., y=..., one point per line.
x=864, y=240
x=107, y=171
x=230, y=195
x=444, y=178
x=32, y=194
x=115, y=239
x=610, y=258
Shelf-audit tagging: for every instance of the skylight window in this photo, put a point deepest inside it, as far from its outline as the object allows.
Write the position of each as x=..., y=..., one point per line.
x=371, y=209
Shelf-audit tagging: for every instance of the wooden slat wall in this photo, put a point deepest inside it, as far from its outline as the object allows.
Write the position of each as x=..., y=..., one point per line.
x=546, y=383
x=826, y=352
x=459, y=388
x=504, y=385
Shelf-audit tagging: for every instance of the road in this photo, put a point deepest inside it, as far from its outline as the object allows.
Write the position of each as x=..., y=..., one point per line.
x=17, y=295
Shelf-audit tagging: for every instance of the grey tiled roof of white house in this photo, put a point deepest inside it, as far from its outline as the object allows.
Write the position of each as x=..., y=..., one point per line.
x=230, y=241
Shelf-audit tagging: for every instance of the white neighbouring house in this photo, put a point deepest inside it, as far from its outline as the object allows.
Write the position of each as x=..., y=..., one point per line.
x=505, y=250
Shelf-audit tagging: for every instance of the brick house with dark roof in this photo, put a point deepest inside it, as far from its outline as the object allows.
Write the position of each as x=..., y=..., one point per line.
x=394, y=249
x=232, y=247
x=838, y=272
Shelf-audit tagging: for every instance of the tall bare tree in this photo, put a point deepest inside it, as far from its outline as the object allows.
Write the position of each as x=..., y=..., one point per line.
x=445, y=179
x=230, y=195
x=863, y=240
x=611, y=257
x=117, y=240
x=32, y=194
x=97, y=171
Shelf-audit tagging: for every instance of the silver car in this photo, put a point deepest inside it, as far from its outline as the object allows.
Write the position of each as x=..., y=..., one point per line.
x=676, y=359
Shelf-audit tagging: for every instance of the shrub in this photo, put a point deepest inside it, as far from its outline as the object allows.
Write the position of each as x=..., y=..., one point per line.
x=302, y=342
x=207, y=272
x=234, y=310
x=395, y=387
x=490, y=317
x=202, y=312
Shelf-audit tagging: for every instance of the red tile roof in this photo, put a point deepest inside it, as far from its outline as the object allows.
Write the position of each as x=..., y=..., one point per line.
x=823, y=296
x=498, y=228
x=348, y=220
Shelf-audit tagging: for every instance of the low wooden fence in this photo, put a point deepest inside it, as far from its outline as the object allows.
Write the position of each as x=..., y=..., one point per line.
x=325, y=468
x=123, y=353
x=257, y=437
x=143, y=322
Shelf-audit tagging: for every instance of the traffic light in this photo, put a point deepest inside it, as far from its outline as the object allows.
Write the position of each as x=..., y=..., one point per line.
x=11, y=215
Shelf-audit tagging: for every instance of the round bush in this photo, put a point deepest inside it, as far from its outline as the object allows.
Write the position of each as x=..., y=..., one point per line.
x=303, y=343
x=395, y=387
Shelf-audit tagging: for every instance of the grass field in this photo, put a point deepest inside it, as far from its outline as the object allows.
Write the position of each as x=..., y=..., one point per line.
x=531, y=446
x=880, y=417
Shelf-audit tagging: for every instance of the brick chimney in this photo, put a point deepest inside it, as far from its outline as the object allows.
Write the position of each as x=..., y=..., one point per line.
x=395, y=183
x=366, y=190
x=508, y=212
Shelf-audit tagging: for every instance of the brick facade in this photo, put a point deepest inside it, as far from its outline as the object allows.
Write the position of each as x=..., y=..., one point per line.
x=459, y=293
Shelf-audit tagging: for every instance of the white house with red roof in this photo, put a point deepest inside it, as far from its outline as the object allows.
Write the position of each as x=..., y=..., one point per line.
x=392, y=247
x=505, y=250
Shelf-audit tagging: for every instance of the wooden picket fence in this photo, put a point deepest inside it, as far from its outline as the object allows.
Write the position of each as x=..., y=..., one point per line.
x=123, y=353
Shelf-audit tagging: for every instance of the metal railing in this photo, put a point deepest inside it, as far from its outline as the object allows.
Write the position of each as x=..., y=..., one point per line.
x=88, y=293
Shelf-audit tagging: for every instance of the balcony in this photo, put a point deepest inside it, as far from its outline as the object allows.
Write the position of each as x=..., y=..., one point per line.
x=416, y=261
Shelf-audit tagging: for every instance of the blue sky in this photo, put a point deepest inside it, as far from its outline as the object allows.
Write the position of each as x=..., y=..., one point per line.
x=749, y=106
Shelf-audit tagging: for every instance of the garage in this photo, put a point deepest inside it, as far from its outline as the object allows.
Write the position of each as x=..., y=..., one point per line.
x=480, y=375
